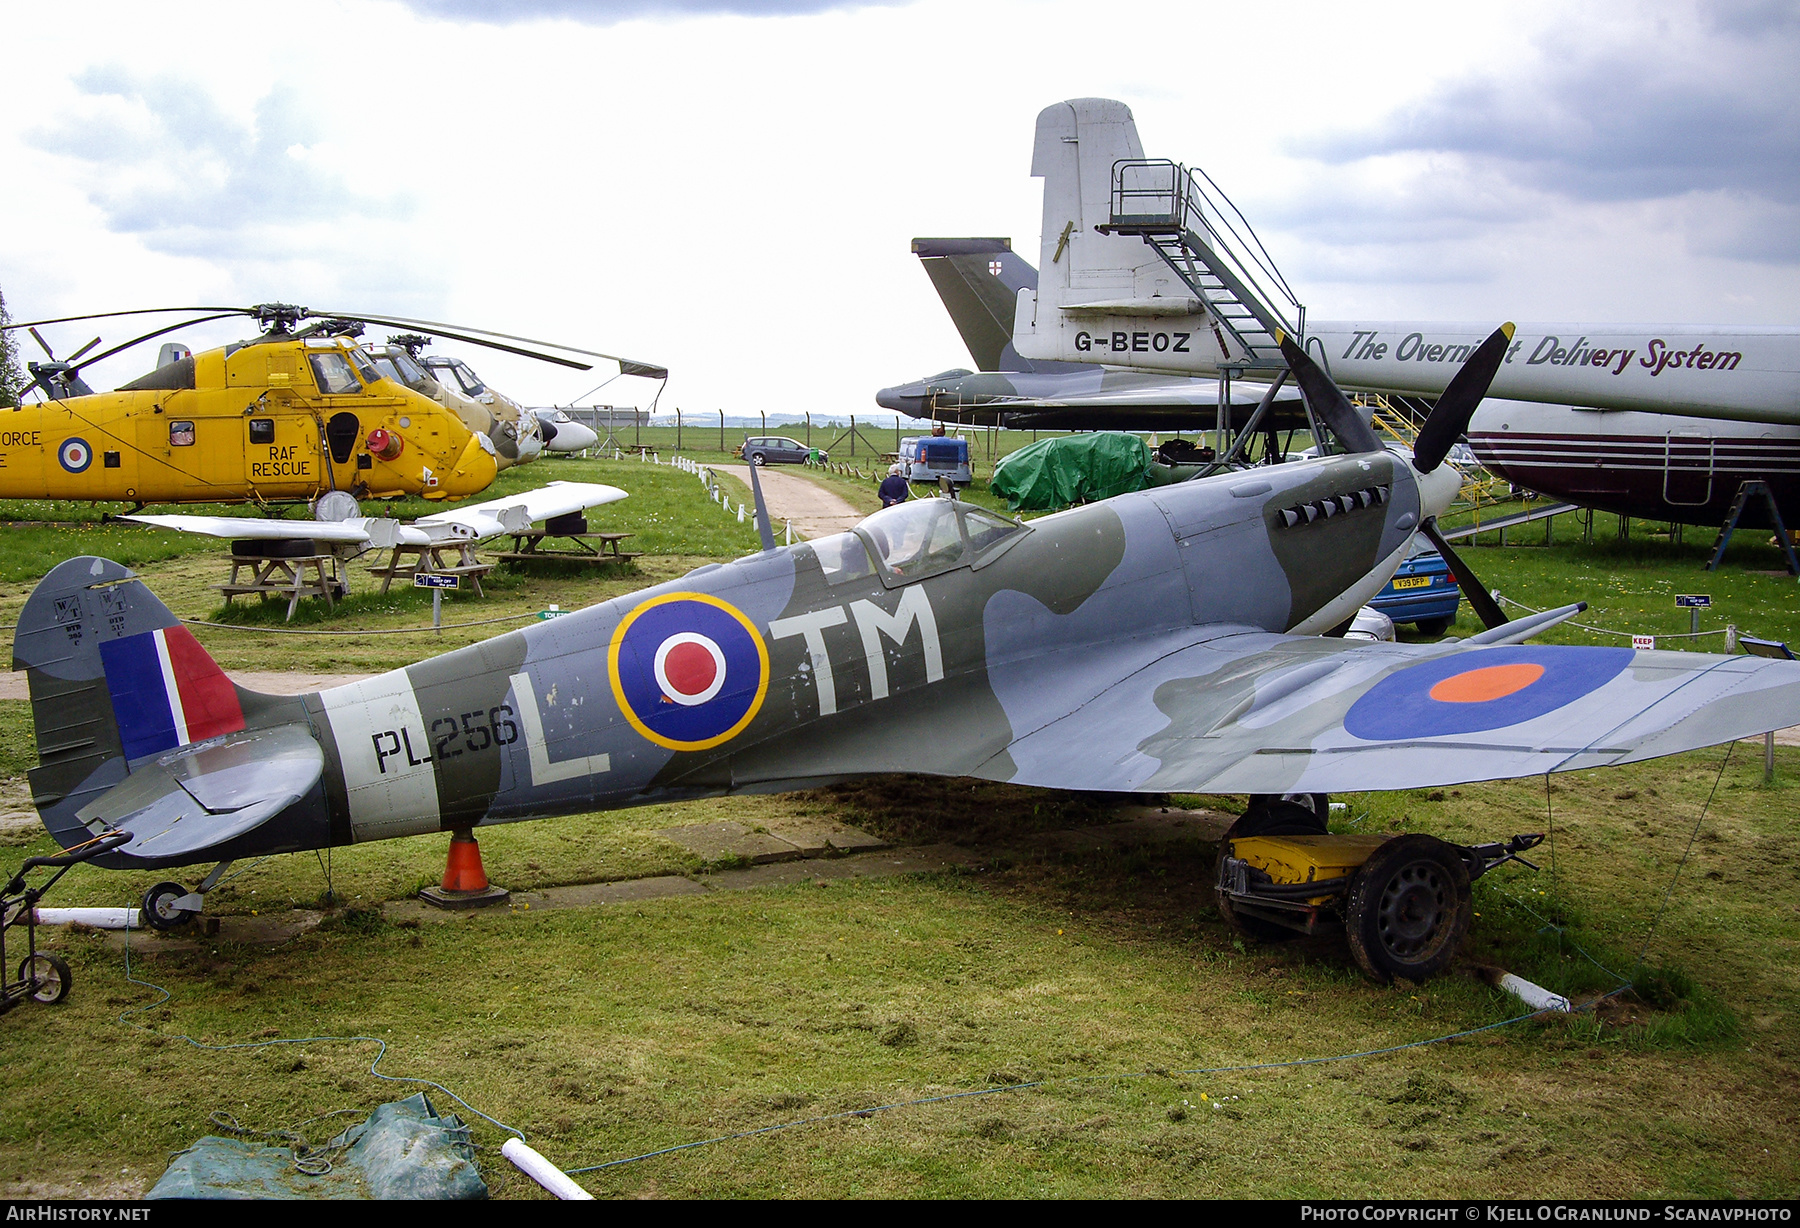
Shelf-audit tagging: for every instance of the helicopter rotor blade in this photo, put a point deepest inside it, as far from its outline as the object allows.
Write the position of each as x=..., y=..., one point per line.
x=141, y=311
x=76, y=356
x=43, y=345
x=443, y=330
x=224, y=315
x=492, y=345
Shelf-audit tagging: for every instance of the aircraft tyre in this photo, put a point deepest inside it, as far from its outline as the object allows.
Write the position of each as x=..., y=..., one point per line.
x=1433, y=626
x=48, y=976
x=160, y=910
x=1266, y=816
x=1408, y=909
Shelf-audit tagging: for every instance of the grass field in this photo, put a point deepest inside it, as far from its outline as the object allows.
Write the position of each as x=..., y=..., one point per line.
x=1079, y=995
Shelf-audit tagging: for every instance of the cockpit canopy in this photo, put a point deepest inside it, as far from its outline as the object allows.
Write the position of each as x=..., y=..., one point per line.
x=926, y=536
x=460, y=371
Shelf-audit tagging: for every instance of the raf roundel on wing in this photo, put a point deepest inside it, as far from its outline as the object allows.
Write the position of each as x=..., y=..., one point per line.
x=1473, y=692
x=689, y=671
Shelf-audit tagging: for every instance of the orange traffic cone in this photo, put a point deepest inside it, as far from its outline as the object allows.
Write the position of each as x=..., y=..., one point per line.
x=465, y=882
x=463, y=871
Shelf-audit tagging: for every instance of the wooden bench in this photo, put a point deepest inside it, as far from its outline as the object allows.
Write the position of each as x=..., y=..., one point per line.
x=285, y=577
x=528, y=548
x=452, y=558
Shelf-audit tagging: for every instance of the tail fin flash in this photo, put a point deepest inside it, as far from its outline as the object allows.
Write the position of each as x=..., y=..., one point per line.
x=979, y=281
x=114, y=677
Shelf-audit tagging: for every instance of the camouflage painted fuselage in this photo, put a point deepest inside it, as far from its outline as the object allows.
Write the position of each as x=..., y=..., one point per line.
x=788, y=668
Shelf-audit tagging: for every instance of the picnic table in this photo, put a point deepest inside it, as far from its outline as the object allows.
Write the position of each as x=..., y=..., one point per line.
x=593, y=549
x=275, y=576
x=451, y=558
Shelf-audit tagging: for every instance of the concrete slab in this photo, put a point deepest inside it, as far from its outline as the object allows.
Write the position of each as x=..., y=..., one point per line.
x=723, y=841
x=260, y=930
x=820, y=839
x=925, y=859
x=629, y=891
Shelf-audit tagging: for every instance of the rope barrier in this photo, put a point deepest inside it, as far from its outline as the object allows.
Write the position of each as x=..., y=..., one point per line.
x=1672, y=635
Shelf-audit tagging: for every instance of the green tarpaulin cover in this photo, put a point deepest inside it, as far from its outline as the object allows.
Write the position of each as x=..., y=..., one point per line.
x=1054, y=473
x=404, y=1150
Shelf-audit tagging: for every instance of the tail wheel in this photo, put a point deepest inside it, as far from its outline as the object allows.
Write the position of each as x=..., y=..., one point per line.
x=161, y=910
x=1266, y=816
x=1408, y=909
x=48, y=976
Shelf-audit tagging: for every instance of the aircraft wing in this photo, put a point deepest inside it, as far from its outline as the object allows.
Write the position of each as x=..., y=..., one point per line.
x=262, y=528
x=204, y=795
x=1246, y=711
x=517, y=512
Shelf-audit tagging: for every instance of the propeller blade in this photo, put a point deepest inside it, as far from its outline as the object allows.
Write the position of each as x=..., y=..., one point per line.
x=443, y=331
x=1482, y=601
x=1327, y=400
x=397, y=322
x=1449, y=418
x=224, y=315
x=141, y=311
x=76, y=356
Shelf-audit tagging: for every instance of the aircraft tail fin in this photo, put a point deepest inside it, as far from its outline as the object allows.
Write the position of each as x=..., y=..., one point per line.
x=979, y=281
x=114, y=677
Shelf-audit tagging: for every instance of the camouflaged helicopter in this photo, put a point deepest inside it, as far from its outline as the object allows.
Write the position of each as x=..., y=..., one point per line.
x=289, y=416
x=1163, y=641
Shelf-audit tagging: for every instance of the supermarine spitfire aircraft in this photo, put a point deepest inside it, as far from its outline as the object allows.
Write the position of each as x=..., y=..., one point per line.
x=292, y=415
x=1161, y=641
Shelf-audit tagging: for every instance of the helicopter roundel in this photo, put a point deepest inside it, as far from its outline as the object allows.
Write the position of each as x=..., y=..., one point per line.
x=689, y=671
x=75, y=455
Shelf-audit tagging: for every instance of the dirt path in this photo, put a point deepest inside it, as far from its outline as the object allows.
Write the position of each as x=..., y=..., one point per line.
x=809, y=507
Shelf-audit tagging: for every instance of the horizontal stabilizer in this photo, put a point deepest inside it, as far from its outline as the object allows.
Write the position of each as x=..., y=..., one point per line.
x=201, y=796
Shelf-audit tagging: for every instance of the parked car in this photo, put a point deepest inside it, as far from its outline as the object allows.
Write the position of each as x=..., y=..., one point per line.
x=776, y=450
x=1422, y=592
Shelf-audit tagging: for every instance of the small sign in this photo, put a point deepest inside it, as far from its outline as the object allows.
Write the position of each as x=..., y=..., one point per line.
x=1693, y=601
x=1643, y=643
x=430, y=579
x=554, y=611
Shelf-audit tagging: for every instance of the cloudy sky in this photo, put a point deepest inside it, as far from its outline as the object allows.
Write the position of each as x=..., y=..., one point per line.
x=728, y=187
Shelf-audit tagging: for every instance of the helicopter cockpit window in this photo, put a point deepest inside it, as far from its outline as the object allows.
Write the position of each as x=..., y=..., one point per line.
x=262, y=430
x=334, y=374
x=916, y=538
x=842, y=556
x=181, y=434
x=365, y=366
x=471, y=383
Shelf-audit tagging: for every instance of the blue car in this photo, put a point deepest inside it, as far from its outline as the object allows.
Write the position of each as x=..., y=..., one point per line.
x=1422, y=592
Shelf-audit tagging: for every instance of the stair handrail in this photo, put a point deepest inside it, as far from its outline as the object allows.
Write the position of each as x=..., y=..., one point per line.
x=1192, y=211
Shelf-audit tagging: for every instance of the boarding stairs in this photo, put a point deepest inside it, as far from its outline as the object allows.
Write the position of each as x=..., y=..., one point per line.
x=1210, y=246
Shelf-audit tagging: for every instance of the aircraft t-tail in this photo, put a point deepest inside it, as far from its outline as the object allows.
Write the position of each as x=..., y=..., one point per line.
x=1163, y=641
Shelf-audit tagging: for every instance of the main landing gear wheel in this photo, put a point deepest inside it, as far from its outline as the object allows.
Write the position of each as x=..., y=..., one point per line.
x=49, y=977
x=160, y=908
x=1408, y=909
x=1268, y=816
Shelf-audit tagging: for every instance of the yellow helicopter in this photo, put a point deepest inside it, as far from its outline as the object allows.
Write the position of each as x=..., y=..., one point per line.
x=296, y=413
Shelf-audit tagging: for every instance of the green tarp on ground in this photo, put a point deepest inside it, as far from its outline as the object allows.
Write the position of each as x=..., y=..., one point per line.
x=404, y=1150
x=1053, y=473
